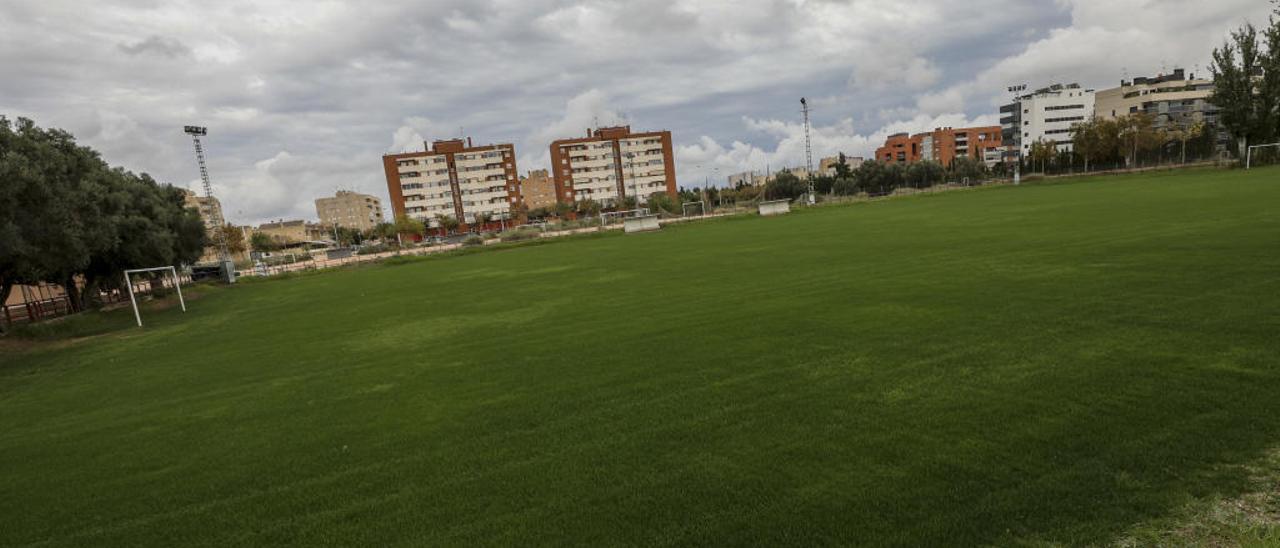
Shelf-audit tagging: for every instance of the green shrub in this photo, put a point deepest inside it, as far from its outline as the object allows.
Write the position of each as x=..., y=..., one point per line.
x=473, y=240
x=520, y=234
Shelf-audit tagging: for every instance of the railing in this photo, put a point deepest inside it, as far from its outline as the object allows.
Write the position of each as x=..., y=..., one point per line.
x=48, y=308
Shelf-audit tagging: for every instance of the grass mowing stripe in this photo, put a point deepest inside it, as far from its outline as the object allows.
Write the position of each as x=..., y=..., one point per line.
x=1050, y=362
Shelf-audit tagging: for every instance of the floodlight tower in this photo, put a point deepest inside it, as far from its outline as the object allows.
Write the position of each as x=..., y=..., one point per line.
x=808, y=148
x=224, y=257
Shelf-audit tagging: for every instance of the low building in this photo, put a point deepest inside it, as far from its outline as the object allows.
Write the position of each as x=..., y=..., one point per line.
x=943, y=145
x=350, y=210
x=827, y=166
x=537, y=190
x=295, y=232
x=454, y=179
x=613, y=162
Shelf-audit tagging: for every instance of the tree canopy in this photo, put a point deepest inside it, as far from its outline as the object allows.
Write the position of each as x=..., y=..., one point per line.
x=65, y=215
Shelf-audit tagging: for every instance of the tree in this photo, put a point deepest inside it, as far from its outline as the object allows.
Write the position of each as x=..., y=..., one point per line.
x=965, y=167
x=41, y=232
x=662, y=202
x=588, y=207
x=1245, y=97
x=924, y=173
x=785, y=186
x=234, y=238
x=842, y=168
x=263, y=242
x=383, y=232
x=1138, y=133
x=408, y=226
x=346, y=236
x=1041, y=152
x=447, y=223
x=1182, y=134
x=625, y=203
x=562, y=208
x=69, y=218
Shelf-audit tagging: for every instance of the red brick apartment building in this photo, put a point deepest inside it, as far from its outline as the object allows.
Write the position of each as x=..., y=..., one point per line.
x=943, y=145
x=613, y=162
x=454, y=179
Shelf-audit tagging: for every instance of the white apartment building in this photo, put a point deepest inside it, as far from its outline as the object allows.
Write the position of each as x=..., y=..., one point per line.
x=1048, y=115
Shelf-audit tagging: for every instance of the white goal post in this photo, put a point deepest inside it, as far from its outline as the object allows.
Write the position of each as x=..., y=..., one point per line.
x=702, y=208
x=1248, y=161
x=128, y=283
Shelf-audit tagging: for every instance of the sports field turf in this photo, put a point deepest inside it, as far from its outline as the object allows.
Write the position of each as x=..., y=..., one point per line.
x=1048, y=363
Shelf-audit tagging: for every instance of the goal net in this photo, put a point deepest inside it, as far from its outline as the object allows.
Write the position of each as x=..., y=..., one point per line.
x=698, y=207
x=133, y=299
x=611, y=217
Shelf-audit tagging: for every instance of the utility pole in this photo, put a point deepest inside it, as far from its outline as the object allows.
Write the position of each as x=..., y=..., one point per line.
x=808, y=149
x=220, y=237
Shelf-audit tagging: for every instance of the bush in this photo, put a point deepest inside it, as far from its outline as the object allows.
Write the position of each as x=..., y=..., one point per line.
x=373, y=249
x=520, y=234
x=473, y=240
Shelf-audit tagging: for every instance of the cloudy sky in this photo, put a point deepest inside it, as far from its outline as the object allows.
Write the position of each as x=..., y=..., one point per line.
x=302, y=98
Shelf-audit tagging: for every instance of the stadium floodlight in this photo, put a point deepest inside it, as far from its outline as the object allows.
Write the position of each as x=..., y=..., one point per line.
x=1248, y=159
x=128, y=283
x=217, y=220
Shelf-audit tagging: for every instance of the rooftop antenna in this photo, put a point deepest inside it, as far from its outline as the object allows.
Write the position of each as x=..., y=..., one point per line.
x=196, y=132
x=808, y=148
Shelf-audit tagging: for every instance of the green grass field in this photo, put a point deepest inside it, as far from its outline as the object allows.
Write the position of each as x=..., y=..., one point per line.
x=1054, y=363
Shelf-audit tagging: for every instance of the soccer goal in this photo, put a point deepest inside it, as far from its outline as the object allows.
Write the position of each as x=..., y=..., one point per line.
x=702, y=208
x=128, y=283
x=610, y=217
x=1248, y=161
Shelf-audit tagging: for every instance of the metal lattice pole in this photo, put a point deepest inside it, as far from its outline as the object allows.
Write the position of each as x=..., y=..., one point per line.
x=220, y=236
x=808, y=149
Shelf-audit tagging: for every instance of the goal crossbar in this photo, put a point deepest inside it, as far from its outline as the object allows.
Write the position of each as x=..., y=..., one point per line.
x=1248, y=158
x=128, y=283
x=684, y=208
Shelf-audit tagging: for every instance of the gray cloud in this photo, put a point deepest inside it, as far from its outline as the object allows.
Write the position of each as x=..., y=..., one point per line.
x=301, y=101
x=158, y=45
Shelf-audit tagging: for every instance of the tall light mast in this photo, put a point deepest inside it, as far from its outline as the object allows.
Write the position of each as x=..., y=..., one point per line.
x=196, y=132
x=808, y=149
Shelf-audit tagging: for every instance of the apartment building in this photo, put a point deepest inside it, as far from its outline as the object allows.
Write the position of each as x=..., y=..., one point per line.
x=943, y=145
x=350, y=210
x=613, y=162
x=537, y=190
x=210, y=210
x=453, y=178
x=747, y=178
x=1048, y=114
x=1173, y=100
x=827, y=166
